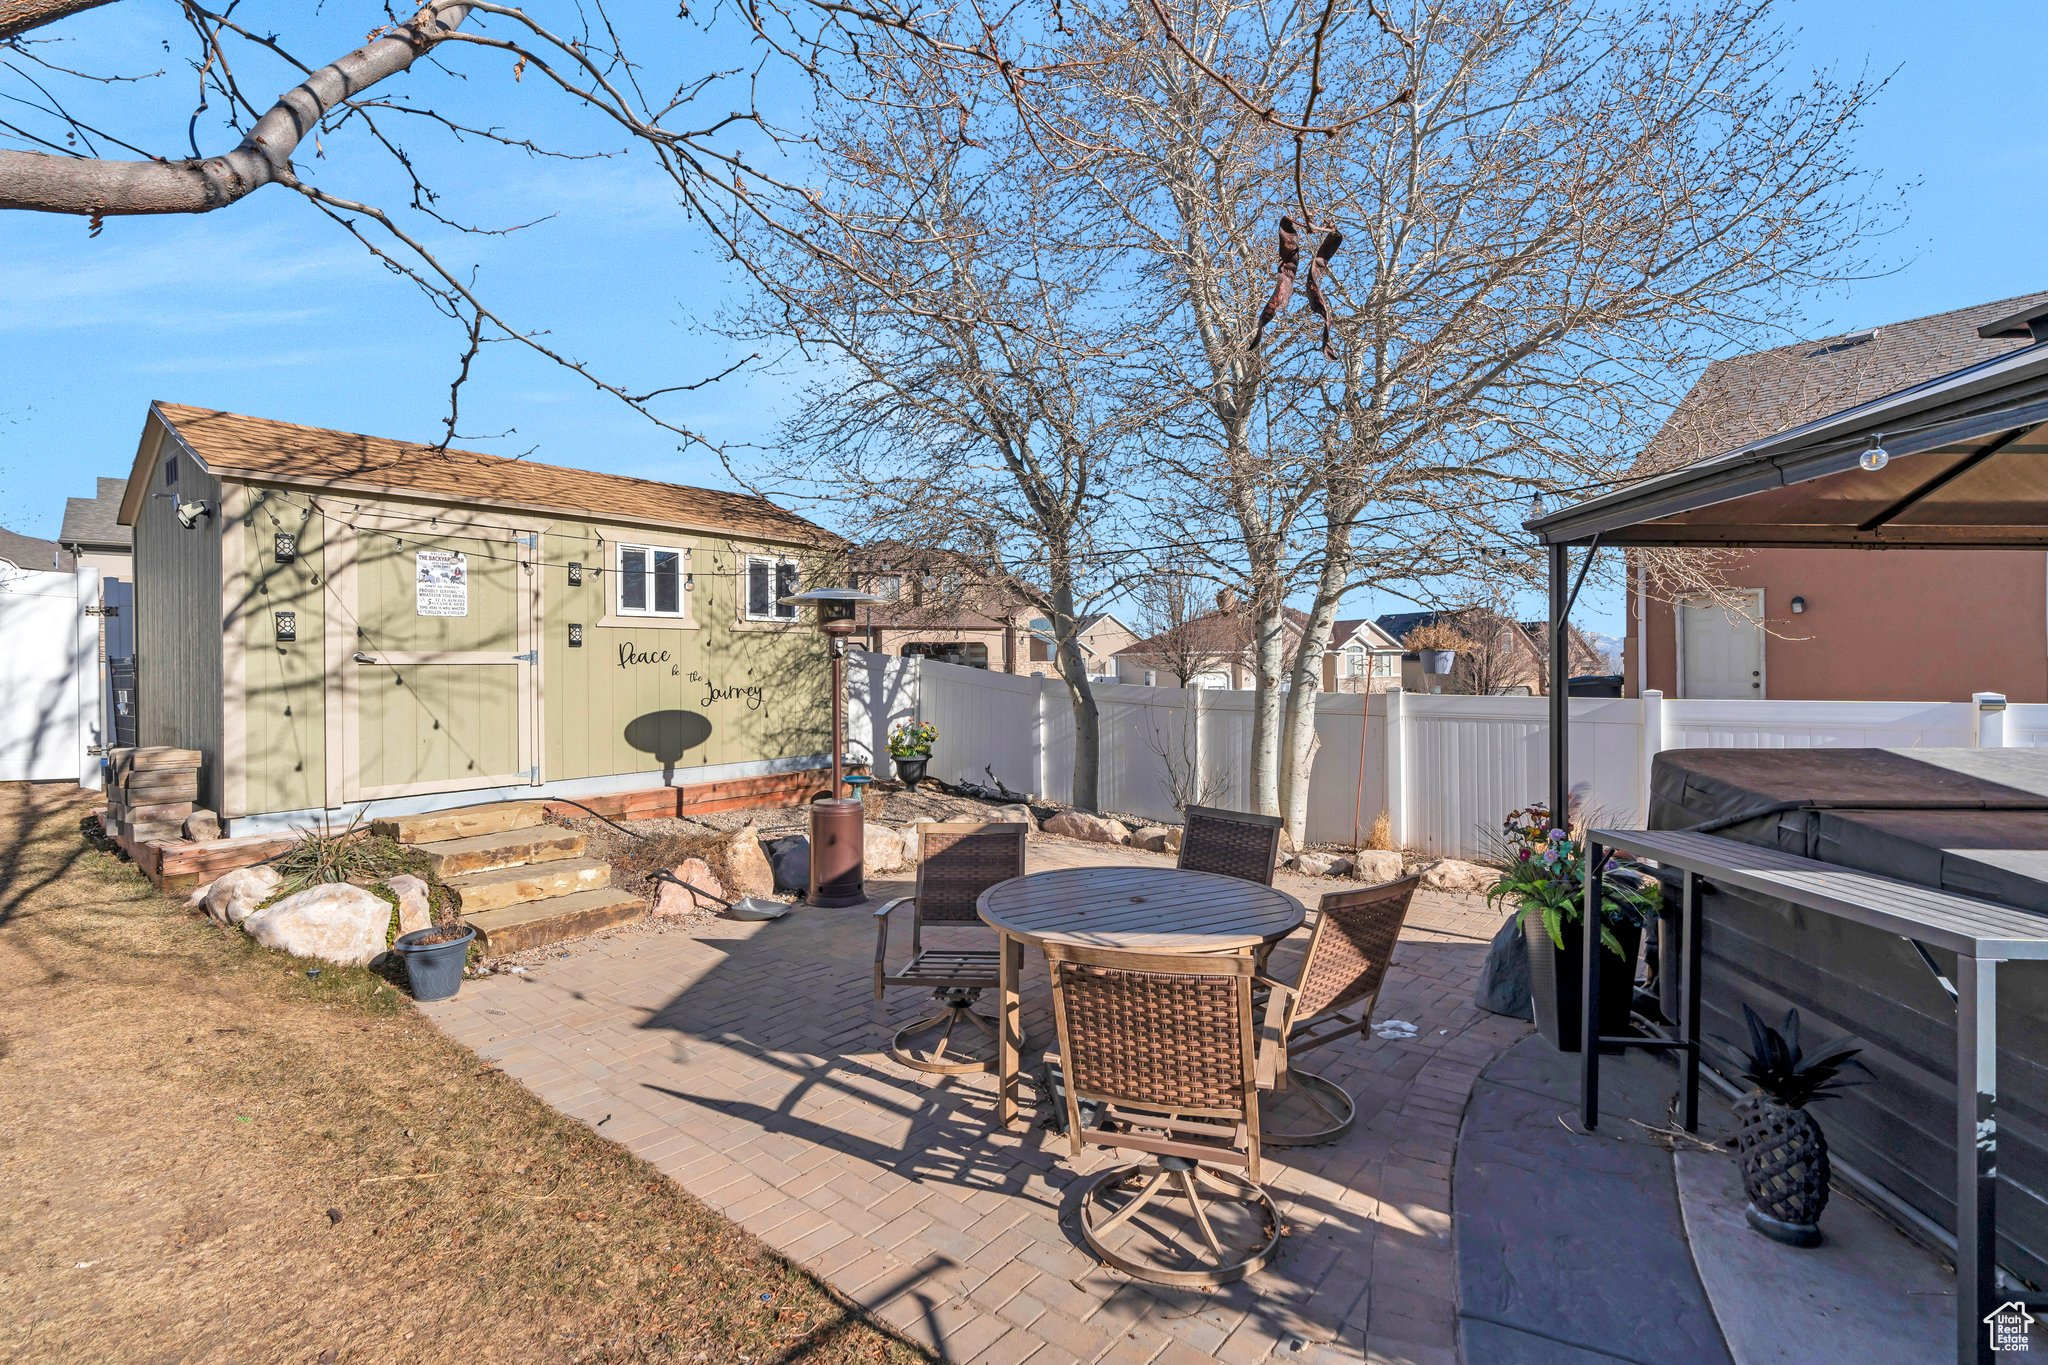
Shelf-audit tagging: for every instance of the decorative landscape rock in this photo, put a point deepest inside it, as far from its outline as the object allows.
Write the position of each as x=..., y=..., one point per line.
x=235, y=896
x=1094, y=829
x=1174, y=835
x=748, y=866
x=202, y=825
x=1151, y=838
x=881, y=849
x=415, y=907
x=337, y=923
x=1454, y=874
x=1014, y=815
x=1376, y=865
x=670, y=899
x=1320, y=865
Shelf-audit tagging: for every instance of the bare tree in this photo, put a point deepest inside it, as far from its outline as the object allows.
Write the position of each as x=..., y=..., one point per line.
x=1574, y=206
x=971, y=394
x=1186, y=628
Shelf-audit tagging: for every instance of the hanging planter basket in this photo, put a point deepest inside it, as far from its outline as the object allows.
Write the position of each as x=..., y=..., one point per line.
x=1437, y=662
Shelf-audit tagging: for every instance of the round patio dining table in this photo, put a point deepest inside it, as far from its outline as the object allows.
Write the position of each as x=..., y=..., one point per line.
x=1135, y=909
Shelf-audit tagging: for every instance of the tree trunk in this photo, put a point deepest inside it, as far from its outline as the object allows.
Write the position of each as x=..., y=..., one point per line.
x=1081, y=693
x=1269, y=647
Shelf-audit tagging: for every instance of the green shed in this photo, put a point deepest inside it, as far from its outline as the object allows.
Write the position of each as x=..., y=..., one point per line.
x=338, y=621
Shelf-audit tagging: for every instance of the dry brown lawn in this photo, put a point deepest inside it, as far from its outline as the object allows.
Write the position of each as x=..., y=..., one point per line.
x=206, y=1155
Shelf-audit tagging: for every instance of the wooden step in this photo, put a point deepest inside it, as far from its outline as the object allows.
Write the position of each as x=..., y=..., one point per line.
x=464, y=822
x=535, y=924
x=508, y=848
x=509, y=886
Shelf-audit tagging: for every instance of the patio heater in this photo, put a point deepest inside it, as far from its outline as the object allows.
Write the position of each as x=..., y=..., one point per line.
x=837, y=832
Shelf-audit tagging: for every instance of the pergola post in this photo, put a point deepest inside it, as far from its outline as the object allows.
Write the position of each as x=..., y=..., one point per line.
x=1560, y=687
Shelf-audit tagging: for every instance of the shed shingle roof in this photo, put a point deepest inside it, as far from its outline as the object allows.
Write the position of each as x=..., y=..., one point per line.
x=260, y=448
x=95, y=522
x=1749, y=397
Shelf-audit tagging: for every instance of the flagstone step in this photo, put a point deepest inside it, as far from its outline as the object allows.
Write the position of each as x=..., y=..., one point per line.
x=505, y=849
x=535, y=924
x=439, y=826
x=508, y=886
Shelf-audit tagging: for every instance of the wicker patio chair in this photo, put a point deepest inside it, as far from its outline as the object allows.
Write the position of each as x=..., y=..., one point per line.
x=1343, y=969
x=956, y=863
x=1157, y=1056
x=1231, y=842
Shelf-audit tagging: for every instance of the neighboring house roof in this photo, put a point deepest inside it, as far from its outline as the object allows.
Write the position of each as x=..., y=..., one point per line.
x=94, y=523
x=1216, y=632
x=1749, y=397
x=261, y=448
x=31, y=552
x=1359, y=630
x=1397, y=624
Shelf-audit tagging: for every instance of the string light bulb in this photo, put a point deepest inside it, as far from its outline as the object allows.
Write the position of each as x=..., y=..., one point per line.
x=1875, y=458
x=1535, y=506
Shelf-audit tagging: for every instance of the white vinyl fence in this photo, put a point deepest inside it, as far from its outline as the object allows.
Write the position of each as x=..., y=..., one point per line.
x=1458, y=764
x=49, y=676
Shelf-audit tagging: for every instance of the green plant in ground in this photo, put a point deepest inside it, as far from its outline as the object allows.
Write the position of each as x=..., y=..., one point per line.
x=1543, y=872
x=1779, y=1069
x=913, y=739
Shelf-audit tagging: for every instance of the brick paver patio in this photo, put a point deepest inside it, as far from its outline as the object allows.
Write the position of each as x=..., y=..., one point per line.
x=747, y=1062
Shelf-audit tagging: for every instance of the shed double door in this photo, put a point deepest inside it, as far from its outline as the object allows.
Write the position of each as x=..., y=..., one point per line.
x=433, y=640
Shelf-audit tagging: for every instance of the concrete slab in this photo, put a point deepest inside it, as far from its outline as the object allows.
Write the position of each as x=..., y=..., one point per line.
x=1573, y=1240
x=1866, y=1295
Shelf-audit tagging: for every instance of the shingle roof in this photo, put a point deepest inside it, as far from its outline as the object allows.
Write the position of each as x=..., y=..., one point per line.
x=31, y=552
x=1217, y=632
x=94, y=522
x=1749, y=397
x=260, y=448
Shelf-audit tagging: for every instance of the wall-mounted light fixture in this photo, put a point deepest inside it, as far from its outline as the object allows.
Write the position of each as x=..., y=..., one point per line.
x=287, y=626
x=575, y=635
x=1798, y=605
x=285, y=547
x=575, y=574
x=190, y=514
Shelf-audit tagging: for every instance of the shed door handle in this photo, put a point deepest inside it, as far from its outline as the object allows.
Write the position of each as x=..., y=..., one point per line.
x=363, y=658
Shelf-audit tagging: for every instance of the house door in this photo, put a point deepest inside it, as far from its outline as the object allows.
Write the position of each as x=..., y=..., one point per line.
x=435, y=634
x=1721, y=648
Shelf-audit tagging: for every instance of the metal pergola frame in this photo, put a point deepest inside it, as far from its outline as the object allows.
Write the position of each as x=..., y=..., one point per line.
x=1965, y=466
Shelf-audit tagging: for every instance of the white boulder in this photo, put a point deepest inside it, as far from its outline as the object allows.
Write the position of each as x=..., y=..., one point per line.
x=1094, y=829
x=747, y=864
x=1319, y=865
x=1376, y=865
x=1174, y=835
x=1014, y=815
x=335, y=922
x=235, y=895
x=415, y=906
x=881, y=849
x=1454, y=874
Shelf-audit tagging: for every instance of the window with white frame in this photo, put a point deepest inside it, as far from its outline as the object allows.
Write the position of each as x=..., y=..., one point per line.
x=887, y=585
x=1354, y=661
x=766, y=582
x=650, y=580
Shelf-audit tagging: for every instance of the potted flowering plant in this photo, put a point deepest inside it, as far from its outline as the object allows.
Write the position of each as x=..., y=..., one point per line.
x=1436, y=646
x=910, y=744
x=1543, y=874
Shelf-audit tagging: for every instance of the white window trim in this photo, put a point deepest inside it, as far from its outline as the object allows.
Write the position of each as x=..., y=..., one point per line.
x=773, y=614
x=618, y=567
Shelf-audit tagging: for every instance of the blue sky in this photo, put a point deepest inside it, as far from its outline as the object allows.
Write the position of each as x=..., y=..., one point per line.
x=264, y=308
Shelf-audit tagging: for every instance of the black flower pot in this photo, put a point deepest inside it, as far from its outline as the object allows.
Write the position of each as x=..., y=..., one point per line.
x=1556, y=978
x=910, y=771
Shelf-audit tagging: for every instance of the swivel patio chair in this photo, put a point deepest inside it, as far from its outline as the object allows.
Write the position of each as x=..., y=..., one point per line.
x=956, y=863
x=1231, y=842
x=1157, y=1056
x=1343, y=969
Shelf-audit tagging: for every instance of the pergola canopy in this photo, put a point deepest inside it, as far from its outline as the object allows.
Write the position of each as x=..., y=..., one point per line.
x=1968, y=469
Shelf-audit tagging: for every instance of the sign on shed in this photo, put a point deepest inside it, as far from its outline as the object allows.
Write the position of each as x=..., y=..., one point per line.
x=443, y=583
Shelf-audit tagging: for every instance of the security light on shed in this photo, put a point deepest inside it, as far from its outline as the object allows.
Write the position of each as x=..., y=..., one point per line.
x=190, y=514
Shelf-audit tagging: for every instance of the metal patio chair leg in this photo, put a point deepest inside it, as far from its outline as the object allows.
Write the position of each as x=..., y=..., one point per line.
x=932, y=1056
x=1310, y=1112
x=1179, y=1177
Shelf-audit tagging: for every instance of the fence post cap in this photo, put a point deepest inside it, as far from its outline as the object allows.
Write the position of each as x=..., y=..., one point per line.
x=1989, y=701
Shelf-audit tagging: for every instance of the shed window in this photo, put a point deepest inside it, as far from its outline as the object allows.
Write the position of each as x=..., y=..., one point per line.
x=769, y=581
x=651, y=580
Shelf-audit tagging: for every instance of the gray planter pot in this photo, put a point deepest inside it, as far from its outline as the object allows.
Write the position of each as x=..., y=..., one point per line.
x=1437, y=662
x=434, y=969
